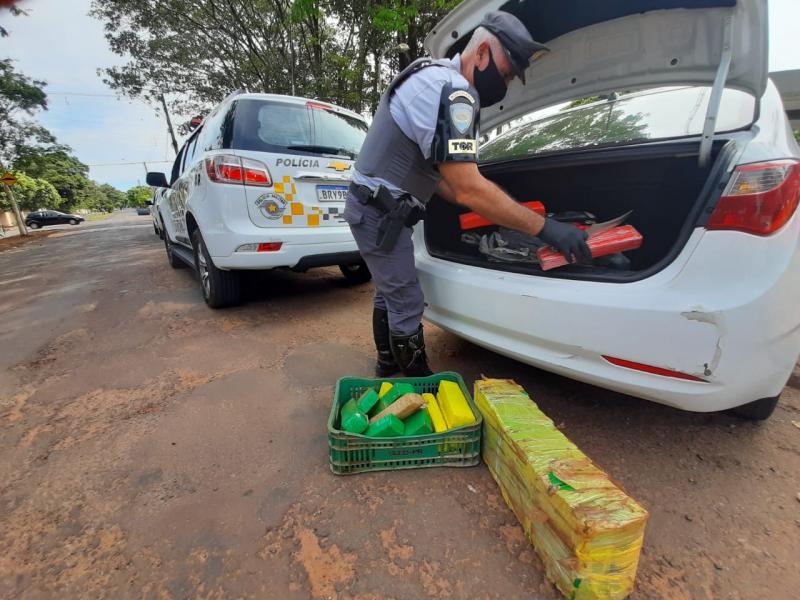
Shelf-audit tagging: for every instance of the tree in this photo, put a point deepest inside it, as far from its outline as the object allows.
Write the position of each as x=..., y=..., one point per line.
x=116, y=198
x=32, y=194
x=15, y=11
x=67, y=174
x=20, y=96
x=138, y=196
x=338, y=50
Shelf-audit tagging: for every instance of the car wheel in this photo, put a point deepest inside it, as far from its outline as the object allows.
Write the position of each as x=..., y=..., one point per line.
x=760, y=410
x=33, y=225
x=73, y=221
x=220, y=288
x=174, y=261
x=155, y=229
x=356, y=273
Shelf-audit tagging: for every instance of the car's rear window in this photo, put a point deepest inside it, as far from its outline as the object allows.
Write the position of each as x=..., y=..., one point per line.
x=646, y=116
x=269, y=126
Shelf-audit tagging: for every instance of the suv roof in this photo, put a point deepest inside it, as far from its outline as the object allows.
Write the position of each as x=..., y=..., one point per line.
x=293, y=100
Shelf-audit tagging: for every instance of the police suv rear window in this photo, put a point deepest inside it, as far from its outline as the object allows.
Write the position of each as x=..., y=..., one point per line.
x=269, y=126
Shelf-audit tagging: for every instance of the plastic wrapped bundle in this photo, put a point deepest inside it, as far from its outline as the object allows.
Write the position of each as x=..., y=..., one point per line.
x=587, y=531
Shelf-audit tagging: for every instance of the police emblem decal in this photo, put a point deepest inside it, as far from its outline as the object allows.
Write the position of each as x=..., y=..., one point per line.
x=272, y=206
x=461, y=115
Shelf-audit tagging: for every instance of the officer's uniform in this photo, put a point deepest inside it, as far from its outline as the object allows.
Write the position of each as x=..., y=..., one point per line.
x=401, y=152
x=429, y=115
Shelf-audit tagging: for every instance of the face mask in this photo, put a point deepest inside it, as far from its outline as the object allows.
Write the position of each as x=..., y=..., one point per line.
x=490, y=83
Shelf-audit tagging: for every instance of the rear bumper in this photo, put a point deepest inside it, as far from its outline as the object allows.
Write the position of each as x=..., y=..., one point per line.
x=724, y=311
x=302, y=248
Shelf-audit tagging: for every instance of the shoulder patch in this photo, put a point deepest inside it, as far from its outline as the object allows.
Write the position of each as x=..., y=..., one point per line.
x=461, y=94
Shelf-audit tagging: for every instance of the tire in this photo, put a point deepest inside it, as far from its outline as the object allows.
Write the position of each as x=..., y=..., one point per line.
x=155, y=230
x=73, y=222
x=760, y=410
x=356, y=273
x=220, y=288
x=32, y=225
x=174, y=261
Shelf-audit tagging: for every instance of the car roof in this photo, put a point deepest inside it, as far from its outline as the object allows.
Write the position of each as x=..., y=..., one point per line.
x=295, y=100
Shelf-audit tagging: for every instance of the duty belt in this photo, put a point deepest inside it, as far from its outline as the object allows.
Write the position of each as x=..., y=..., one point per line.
x=397, y=213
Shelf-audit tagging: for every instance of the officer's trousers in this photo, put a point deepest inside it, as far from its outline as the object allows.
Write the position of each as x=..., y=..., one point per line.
x=397, y=288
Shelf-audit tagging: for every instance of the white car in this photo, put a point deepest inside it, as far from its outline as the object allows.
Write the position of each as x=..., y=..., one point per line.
x=159, y=194
x=261, y=184
x=704, y=317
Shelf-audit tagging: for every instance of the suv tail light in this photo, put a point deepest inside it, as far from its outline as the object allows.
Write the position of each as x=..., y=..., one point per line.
x=226, y=168
x=760, y=198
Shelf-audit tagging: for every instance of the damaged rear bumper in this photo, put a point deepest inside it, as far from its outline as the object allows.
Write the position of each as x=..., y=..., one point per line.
x=722, y=312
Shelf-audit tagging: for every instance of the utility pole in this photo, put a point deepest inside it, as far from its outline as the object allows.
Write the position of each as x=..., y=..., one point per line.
x=169, y=123
x=17, y=214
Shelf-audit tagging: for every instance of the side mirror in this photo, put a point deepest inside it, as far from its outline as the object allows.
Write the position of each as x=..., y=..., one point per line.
x=158, y=180
x=148, y=202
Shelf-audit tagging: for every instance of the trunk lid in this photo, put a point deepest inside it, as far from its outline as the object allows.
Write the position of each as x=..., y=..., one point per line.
x=615, y=45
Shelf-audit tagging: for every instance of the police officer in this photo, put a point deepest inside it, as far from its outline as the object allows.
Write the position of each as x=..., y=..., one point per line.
x=423, y=140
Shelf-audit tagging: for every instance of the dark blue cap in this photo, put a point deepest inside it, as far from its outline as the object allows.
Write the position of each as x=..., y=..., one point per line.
x=515, y=38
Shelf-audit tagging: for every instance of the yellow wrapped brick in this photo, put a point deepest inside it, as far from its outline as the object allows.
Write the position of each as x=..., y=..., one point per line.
x=454, y=405
x=587, y=531
x=435, y=413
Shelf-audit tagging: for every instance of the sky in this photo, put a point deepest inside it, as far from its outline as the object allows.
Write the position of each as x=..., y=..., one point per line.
x=60, y=44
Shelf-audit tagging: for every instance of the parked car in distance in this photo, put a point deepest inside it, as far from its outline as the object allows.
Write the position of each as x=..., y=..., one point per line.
x=43, y=218
x=144, y=211
x=704, y=316
x=155, y=211
x=261, y=184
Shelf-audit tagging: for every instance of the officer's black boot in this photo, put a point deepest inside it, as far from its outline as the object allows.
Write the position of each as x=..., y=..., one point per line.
x=386, y=365
x=409, y=352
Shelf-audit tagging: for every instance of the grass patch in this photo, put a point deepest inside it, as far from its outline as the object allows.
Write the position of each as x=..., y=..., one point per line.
x=97, y=216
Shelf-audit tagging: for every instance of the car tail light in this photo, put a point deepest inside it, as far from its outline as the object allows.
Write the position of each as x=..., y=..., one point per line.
x=263, y=247
x=226, y=168
x=628, y=364
x=760, y=198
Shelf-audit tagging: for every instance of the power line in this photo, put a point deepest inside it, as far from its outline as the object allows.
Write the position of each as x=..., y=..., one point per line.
x=83, y=94
x=130, y=162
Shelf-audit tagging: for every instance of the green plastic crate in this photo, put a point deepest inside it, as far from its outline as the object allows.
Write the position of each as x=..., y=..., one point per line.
x=350, y=453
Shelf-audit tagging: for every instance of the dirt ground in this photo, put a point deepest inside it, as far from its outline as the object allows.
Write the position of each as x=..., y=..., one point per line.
x=153, y=448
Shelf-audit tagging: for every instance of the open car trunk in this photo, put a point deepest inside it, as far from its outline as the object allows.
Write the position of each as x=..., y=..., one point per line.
x=663, y=185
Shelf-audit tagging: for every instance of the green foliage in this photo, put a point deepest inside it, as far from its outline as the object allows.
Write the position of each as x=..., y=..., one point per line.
x=116, y=199
x=20, y=96
x=15, y=11
x=342, y=51
x=65, y=172
x=797, y=134
x=138, y=196
x=32, y=194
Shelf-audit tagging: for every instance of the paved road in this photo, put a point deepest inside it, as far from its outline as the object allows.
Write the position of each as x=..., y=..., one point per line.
x=150, y=447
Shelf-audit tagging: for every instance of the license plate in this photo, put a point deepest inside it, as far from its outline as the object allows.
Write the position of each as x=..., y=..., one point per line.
x=332, y=193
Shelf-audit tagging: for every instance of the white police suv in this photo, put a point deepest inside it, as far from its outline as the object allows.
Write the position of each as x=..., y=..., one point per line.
x=261, y=184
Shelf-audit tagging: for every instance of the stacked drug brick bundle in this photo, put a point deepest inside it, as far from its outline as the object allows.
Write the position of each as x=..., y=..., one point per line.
x=587, y=531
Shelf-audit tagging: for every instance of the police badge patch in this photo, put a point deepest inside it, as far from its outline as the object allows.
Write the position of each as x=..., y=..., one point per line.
x=461, y=115
x=272, y=206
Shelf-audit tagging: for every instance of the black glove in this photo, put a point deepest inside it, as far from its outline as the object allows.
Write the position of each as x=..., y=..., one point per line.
x=567, y=239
